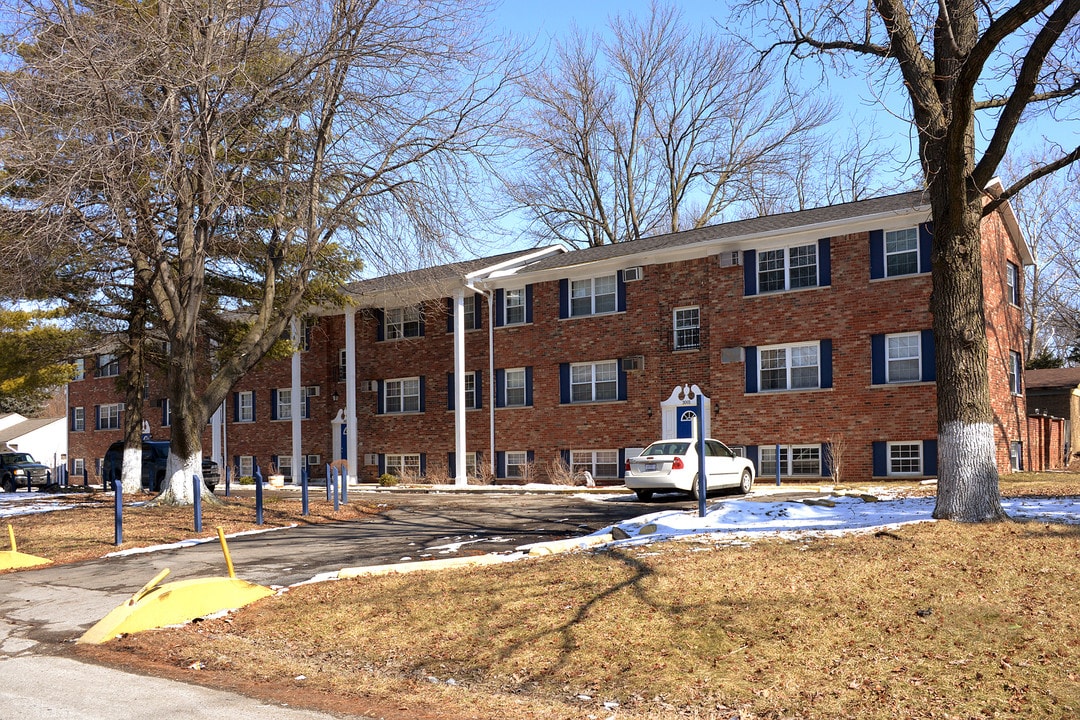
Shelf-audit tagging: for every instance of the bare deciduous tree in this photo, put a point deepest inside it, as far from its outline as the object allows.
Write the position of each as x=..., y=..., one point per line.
x=239, y=155
x=963, y=65
x=652, y=129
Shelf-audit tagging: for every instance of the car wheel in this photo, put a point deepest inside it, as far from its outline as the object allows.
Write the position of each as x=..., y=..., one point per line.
x=694, y=488
x=746, y=482
x=9, y=486
x=644, y=495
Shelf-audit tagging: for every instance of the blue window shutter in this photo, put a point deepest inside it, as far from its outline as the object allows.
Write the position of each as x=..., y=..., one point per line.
x=500, y=464
x=500, y=307
x=528, y=303
x=877, y=254
x=382, y=464
x=380, y=324
x=620, y=292
x=421, y=393
x=165, y=412
x=926, y=246
x=529, y=386
x=307, y=408
x=824, y=263
x=826, y=363
x=478, y=312
x=877, y=360
x=274, y=462
x=449, y=391
x=749, y=272
x=254, y=397
x=929, y=457
x=881, y=459
x=236, y=464
x=451, y=462
x=423, y=464
x=564, y=298
x=621, y=377
x=500, y=388
x=236, y=407
x=421, y=322
x=478, y=390
x=622, y=462
x=450, y=314
x=565, y=455
x=929, y=372
x=752, y=455
x=564, y=383
x=71, y=419
x=826, y=459
x=97, y=417
x=273, y=405
x=530, y=457
x=381, y=408
x=751, y=369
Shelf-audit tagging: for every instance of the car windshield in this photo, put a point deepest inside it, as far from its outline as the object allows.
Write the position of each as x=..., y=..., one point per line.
x=18, y=458
x=667, y=448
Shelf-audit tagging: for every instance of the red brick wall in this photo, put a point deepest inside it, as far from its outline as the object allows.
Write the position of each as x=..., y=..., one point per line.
x=1045, y=449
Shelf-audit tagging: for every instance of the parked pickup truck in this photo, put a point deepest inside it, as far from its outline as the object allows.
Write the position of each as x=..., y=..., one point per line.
x=18, y=467
x=155, y=456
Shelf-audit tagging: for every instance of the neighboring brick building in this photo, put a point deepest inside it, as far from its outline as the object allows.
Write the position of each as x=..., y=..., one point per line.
x=1056, y=393
x=810, y=330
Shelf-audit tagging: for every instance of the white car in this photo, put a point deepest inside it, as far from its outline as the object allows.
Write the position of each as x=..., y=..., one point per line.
x=673, y=465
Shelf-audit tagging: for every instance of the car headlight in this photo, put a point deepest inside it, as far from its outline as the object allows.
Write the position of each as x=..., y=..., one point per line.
x=20, y=472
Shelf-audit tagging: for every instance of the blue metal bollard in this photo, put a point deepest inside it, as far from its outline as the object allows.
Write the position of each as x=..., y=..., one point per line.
x=258, y=496
x=304, y=491
x=227, y=476
x=118, y=515
x=345, y=486
x=196, y=481
x=337, y=479
x=328, y=482
x=703, y=478
x=48, y=478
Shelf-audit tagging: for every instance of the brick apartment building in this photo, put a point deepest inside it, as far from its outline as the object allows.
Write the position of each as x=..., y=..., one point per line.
x=808, y=330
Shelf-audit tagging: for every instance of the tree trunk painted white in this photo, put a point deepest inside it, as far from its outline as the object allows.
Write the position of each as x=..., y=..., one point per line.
x=966, y=457
x=179, y=473
x=132, y=469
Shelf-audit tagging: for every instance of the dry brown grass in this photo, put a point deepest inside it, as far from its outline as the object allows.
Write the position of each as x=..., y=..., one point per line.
x=86, y=531
x=935, y=620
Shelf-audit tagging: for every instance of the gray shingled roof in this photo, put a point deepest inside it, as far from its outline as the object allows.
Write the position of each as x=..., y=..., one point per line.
x=1052, y=378
x=739, y=228
x=431, y=275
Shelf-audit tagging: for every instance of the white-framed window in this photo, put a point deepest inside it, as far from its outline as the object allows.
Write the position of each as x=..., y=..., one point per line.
x=284, y=404
x=794, y=460
x=905, y=458
x=594, y=382
x=78, y=466
x=109, y=416
x=284, y=465
x=80, y=369
x=402, y=395
x=687, y=326
x=472, y=465
x=788, y=268
x=470, y=390
x=402, y=323
x=789, y=367
x=514, y=391
x=78, y=419
x=514, y=306
x=246, y=467
x=599, y=463
x=1016, y=373
x=403, y=464
x=470, y=311
x=593, y=296
x=342, y=365
x=903, y=357
x=1012, y=282
x=166, y=413
x=108, y=365
x=245, y=406
x=901, y=252
x=517, y=464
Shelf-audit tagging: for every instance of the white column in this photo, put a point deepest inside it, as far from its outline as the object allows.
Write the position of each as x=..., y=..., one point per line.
x=297, y=399
x=350, y=392
x=491, y=374
x=460, y=477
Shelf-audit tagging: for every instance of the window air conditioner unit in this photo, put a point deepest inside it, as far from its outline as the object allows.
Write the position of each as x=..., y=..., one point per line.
x=371, y=459
x=633, y=363
x=730, y=258
x=631, y=274
x=369, y=386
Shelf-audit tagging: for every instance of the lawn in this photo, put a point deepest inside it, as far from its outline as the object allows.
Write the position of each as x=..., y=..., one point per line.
x=929, y=620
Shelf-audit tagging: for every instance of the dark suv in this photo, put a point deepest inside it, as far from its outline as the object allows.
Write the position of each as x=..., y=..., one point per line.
x=17, y=467
x=155, y=456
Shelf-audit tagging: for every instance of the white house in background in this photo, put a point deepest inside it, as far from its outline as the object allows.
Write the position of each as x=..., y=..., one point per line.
x=44, y=438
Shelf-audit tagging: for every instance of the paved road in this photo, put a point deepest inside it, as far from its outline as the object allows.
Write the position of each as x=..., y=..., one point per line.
x=45, y=610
